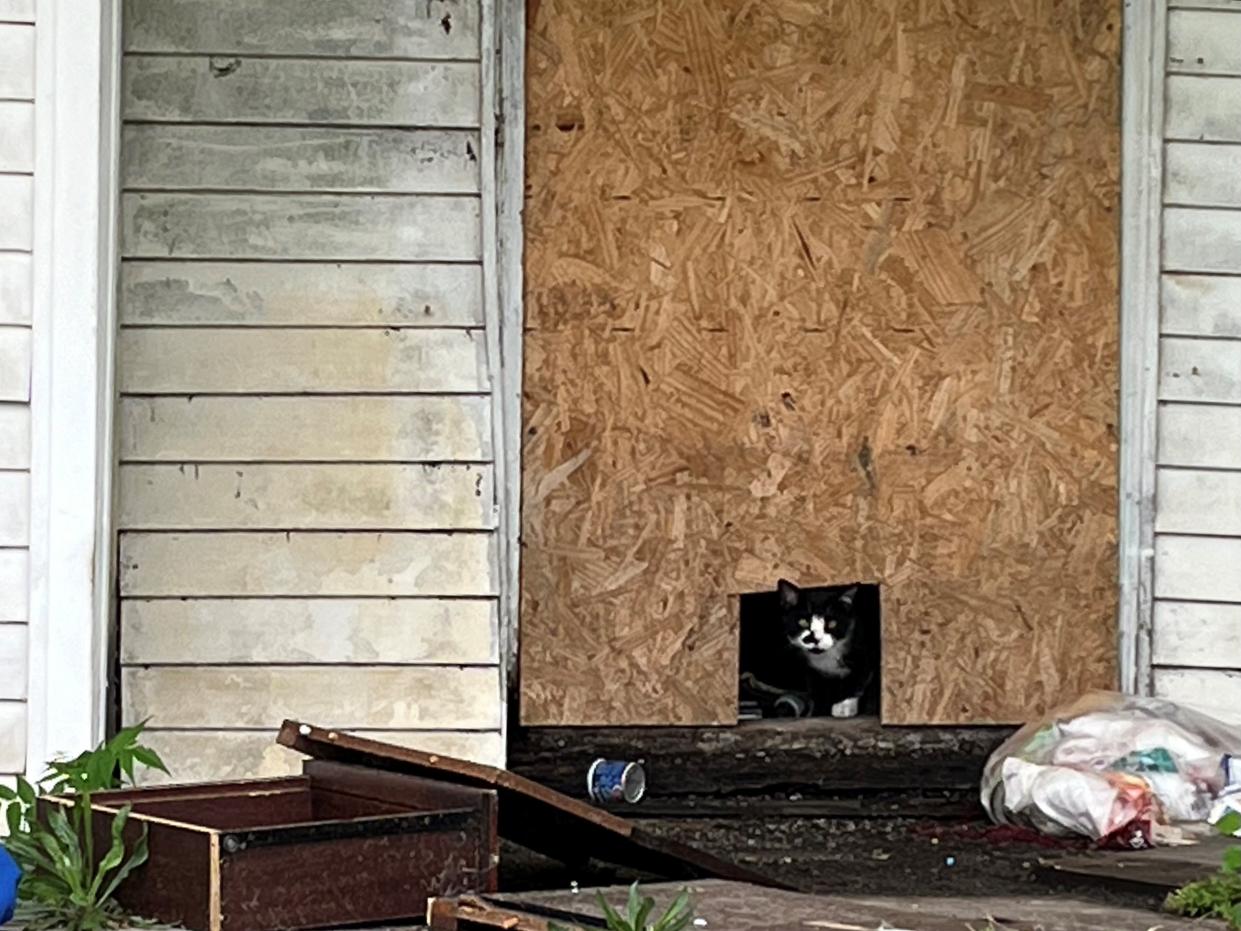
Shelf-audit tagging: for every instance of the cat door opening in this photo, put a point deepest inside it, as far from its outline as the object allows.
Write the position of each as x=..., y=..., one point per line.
x=810, y=652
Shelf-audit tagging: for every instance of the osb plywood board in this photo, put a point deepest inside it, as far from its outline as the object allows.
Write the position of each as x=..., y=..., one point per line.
x=824, y=290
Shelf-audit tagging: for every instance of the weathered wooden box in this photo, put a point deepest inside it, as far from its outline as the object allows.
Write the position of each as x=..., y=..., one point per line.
x=338, y=845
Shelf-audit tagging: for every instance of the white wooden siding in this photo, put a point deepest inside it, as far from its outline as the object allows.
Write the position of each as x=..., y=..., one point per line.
x=274, y=294
x=17, y=116
x=1196, y=624
x=306, y=490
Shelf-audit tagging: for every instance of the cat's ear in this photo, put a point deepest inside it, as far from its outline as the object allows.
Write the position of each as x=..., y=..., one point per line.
x=790, y=594
x=848, y=595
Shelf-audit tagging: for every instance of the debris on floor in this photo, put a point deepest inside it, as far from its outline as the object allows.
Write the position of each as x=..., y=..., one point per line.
x=1124, y=771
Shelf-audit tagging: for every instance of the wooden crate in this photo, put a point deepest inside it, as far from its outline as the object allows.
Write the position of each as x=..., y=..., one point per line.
x=338, y=845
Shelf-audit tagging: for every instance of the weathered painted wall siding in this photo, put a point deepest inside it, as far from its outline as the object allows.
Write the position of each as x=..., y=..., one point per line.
x=306, y=495
x=1196, y=649
x=17, y=40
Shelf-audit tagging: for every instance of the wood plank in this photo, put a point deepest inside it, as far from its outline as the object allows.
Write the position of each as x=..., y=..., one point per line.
x=308, y=630
x=296, y=158
x=361, y=28
x=16, y=211
x=1216, y=692
x=1201, y=305
x=16, y=61
x=200, y=755
x=384, y=564
x=1202, y=109
x=1201, y=240
x=14, y=508
x=16, y=135
x=202, y=89
x=1200, y=370
x=15, y=288
x=1191, y=501
x=294, y=226
x=14, y=363
x=1200, y=435
x=1201, y=175
x=14, y=436
x=305, y=294
x=248, y=360
x=1204, y=42
x=389, y=697
x=279, y=429
x=1197, y=568
x=532, y=815
x=13, y=664
x=12, y=737
x=17, y=11
x=14, y=585
x=1188, y=634
x=364, y=496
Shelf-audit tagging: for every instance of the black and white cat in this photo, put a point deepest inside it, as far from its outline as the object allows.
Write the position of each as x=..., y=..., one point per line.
x=834, y=632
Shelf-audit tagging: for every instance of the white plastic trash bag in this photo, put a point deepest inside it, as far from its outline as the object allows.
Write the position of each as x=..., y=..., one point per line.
x=1113, y=768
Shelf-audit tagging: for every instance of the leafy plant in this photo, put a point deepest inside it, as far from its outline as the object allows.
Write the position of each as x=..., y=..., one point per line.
x=638, y=910
x=69, y=886
x=1217, y=896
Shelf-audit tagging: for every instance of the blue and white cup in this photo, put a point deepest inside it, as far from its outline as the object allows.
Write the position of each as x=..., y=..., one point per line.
x=616, y=781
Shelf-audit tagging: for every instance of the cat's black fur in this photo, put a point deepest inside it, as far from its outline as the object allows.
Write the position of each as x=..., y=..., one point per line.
x=822, y=643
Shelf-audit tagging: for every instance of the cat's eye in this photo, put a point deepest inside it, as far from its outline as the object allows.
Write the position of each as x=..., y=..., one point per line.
x=804, y=623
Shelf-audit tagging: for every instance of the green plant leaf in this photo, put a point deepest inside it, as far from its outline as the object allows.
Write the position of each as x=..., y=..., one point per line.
x=1232, y=860
x=148, y=757
x=615, y=922
x=678, y=916
x=644, y=912
x=1229, y=824
x=116, y=853
x=136, y=859
x=633, y=906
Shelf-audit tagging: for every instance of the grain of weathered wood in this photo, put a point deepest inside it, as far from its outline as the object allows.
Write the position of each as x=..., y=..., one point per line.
x=1204, y=42
x=289, y=361
x=14, y=436
x=15, y=363
x=16, y=61
x=295, y=158
x=1192, y=501
x=15, y=288
x=12, y=737
x=219, y=631
x=1216, y=692
x=14, y=508
x=16, y=211
x=388, y=697
x=202, y=89
x=1200, y=435
x=1200, y=370
x=293, y=429
x=1202, y=174
x=220, y=754
x=13, y=650
x=1200, y=240
x=14, y=585
x=1201, y=305
x=1189, y=634
x=296, y=226
x=16, y=135
x=1197, y=568
x=356, y=496
x=306, y=564
x=1203, y=109
x=366, y=28
x=302, y=294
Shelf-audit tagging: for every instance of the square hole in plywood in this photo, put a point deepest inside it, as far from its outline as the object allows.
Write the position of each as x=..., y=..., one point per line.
x=810, y=651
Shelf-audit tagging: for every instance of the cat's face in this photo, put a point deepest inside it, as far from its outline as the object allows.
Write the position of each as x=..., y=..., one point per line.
x=817, y=620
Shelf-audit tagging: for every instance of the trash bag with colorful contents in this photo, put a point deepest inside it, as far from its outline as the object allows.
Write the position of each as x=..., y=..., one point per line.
x=1121, y=770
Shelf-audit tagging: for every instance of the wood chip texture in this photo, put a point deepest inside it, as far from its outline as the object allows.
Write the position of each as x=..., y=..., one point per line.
x=826, y=291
